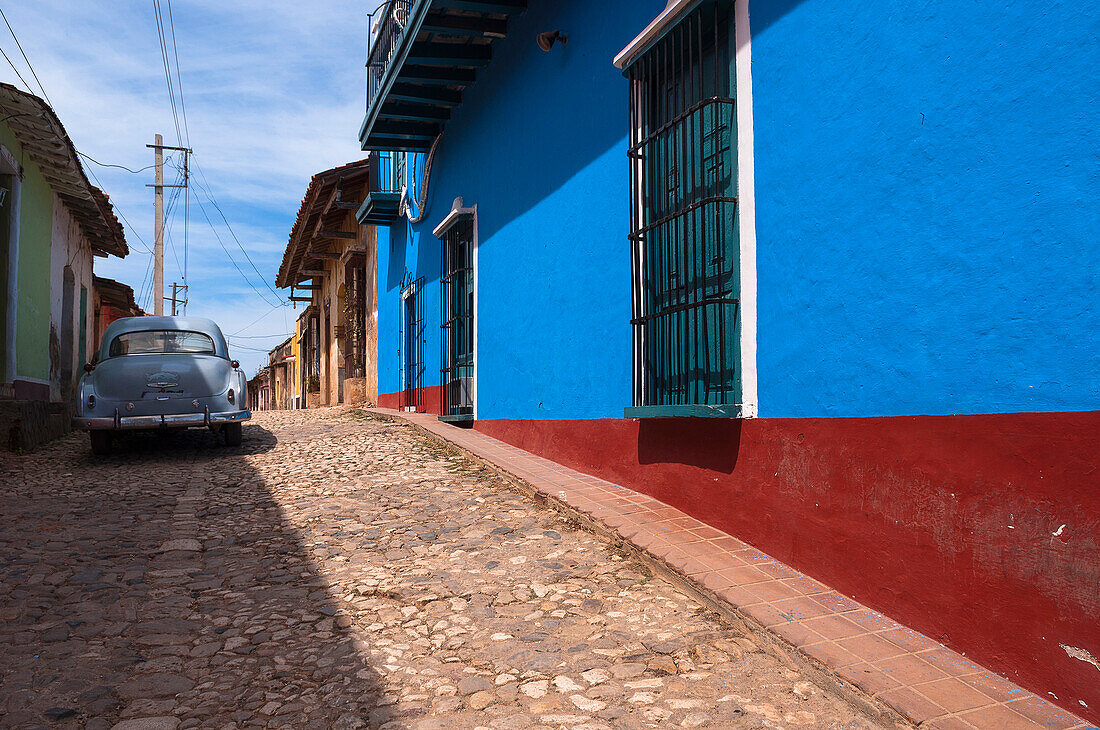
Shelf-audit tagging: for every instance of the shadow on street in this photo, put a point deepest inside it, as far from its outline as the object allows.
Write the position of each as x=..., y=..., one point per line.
x=162, y=581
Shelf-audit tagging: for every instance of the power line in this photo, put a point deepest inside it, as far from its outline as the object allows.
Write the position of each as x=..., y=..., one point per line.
x=13, y=68
x=20, y=45
x=210, y=196
x=179, y=81
x=167, y=70
x=262, y=316
x=121, y=167
x=120, y=215
x=284, y=335
x=233, y=261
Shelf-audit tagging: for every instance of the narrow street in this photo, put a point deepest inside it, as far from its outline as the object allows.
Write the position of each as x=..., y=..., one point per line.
x=342, y=571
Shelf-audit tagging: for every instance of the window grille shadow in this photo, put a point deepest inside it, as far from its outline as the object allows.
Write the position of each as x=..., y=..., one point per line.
x=707, y=443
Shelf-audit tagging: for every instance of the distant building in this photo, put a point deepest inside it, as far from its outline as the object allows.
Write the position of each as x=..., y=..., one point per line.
x=113, y=300
x=333, y=259
x=259, y=391
x=823, y=276
x=53, y=222
x=282, y=368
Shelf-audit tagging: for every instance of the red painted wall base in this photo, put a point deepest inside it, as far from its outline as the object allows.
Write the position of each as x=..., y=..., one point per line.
x=430, y=399
x=980, y=531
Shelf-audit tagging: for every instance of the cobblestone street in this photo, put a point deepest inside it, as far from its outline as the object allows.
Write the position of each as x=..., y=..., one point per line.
x=342, y=571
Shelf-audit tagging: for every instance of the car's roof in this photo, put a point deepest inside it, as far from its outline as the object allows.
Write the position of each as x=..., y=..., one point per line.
x=144, y=324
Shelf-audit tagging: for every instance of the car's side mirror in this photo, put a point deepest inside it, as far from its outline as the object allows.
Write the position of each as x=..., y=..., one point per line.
x=89, y=367
x=235, y=363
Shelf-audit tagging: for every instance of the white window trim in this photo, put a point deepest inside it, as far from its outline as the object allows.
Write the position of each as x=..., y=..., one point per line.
x=746, y=203
x=458, y=212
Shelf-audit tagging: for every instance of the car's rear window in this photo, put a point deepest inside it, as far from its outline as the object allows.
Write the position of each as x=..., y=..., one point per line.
x=156, y=342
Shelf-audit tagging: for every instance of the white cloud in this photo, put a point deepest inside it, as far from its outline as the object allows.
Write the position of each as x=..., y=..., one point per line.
x=274, y=93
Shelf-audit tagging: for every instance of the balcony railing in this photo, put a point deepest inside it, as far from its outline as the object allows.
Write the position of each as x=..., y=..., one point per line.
x=387, y=27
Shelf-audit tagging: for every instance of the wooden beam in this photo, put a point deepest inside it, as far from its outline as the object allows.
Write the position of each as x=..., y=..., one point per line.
x=405, y=130
x=418, y=93
x=436, y=75
x=343, y=235
x=312, y=273
x=449, y=54
x=323, y=255
x=300, y=299
x=308, y=287
x=502, y=7
x=414, y=112
x=345, y=205
x=464, y=25
x=382, y=143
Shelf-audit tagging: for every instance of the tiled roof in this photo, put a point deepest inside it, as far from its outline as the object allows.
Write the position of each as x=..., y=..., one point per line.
x=325, y=189
x=45, y=141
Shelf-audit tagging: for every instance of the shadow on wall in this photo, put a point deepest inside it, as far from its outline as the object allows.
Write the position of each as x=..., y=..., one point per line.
x=131, y=585
x=534, y=121
x=712, y=444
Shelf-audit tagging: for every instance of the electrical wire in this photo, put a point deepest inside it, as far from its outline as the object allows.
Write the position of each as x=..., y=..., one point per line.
x=121, y=167
x=123, y=217
x=179, y=81
x=13, y=68
x=259, y=293
x=167, y=70
x=205, y=189
x=257, y=320
x=20, y=45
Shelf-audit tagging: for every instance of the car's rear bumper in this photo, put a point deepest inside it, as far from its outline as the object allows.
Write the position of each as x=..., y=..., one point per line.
x=137, y=423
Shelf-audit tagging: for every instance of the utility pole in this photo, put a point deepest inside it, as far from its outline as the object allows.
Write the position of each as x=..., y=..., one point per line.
x=158, y=224
x=158, y=228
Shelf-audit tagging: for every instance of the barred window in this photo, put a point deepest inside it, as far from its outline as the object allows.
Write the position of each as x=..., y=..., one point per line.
x=411, y=344
x=458, y=320
x=684, y=244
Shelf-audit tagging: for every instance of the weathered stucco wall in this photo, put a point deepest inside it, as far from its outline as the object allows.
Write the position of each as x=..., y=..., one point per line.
x=32, y=303
x=68, y=249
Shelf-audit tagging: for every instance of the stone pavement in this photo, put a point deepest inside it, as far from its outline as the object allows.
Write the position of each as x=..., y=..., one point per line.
x=855, y=648
x=345, y=572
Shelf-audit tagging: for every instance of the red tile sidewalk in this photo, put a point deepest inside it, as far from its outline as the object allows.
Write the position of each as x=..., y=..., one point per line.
x=917, y=677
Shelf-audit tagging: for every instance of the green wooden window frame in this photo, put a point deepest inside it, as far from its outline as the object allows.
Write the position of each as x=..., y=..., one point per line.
x=685, y=254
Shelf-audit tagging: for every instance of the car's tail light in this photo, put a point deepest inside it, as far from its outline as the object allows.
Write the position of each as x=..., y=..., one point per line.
x=229, y=395
x=91, y=401
x=195, y=403
x=130, y=406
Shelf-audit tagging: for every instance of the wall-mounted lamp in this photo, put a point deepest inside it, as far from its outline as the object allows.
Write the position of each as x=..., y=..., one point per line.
x=546, y=40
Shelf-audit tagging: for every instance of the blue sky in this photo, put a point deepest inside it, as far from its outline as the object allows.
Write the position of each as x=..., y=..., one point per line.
x=274, y=92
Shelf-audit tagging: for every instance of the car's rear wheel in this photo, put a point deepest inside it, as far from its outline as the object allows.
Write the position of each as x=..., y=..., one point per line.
x=233, y=434
x=101, y=442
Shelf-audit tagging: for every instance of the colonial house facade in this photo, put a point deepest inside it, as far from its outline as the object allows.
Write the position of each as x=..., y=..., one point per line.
x=824, y=280
x=332, y=258
x=53, y=222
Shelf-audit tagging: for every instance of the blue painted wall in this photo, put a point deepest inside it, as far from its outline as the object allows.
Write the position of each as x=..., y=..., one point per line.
x=539, y=145
x=926, y=187
x=926, y=211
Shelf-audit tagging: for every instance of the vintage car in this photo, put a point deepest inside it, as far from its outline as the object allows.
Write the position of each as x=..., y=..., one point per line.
x=161, y=373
